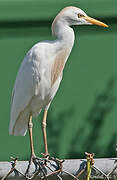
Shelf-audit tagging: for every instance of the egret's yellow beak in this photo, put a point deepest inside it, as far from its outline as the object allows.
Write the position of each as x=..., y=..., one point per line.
x=94, y=21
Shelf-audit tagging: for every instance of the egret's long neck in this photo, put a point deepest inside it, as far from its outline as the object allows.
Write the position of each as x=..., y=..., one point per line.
x=64, y=34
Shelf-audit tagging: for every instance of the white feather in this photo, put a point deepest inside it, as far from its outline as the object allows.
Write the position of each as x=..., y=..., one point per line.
x=24, y=89
x=32, y=90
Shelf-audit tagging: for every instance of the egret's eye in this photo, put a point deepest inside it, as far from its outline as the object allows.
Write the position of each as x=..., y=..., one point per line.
x=80, y=15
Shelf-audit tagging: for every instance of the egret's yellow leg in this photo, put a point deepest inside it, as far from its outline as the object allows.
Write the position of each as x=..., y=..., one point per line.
x=30, y=125
x=44, y=132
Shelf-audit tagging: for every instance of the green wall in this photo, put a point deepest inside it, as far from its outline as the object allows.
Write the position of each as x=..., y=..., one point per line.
x=82, y=116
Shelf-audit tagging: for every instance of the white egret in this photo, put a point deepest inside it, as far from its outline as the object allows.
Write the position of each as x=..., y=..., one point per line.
x=41, y=72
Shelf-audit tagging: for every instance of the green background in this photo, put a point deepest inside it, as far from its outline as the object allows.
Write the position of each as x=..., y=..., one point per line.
x=83, y=115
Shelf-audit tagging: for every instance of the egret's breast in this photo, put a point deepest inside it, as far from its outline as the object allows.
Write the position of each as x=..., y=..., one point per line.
x=58, y=64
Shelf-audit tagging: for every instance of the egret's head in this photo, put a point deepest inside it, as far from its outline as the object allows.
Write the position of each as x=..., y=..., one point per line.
x=75, y=16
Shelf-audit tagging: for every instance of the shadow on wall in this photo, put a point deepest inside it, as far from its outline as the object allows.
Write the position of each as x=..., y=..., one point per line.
x=103, y=105
x=56, y=128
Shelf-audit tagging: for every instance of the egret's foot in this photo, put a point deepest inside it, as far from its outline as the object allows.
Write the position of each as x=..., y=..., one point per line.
x=55, y=165
x=59, y=163
x=50, y=159
x=39, y=163
x=42, y=164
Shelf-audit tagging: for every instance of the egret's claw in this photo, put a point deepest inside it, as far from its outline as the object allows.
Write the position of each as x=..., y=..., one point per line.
x=42, y=163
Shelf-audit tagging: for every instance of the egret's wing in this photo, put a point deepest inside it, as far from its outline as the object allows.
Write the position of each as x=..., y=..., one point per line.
x=25, y=87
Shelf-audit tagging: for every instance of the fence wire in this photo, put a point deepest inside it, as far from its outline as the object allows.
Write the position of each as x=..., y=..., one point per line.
x=88, y=168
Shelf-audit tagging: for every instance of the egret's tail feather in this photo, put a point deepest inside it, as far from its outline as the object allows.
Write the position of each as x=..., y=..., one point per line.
x=19, y=128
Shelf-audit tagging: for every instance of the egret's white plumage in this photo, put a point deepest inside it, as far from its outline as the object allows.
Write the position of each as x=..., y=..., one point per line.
x=40, y=73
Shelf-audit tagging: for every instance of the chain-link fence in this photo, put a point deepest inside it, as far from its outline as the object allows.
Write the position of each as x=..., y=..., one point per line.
x=105, y=168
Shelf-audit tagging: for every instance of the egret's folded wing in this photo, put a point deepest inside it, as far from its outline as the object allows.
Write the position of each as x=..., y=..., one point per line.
x=24, y=89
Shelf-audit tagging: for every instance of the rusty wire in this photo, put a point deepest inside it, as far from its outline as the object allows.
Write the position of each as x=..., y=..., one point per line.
x=39, y=171
x=59, y=171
